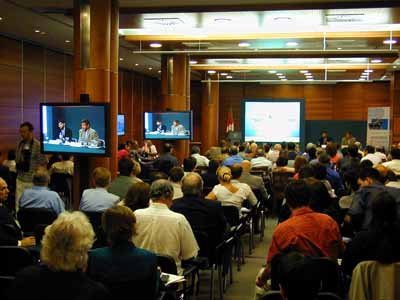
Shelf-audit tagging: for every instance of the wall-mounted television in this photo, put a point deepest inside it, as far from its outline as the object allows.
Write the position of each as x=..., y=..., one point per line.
x=74, y=128
x=121, y=124
x=170, y=125
x=273, y=121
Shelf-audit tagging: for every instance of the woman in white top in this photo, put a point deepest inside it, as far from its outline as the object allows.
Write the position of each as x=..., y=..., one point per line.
x=225, y=191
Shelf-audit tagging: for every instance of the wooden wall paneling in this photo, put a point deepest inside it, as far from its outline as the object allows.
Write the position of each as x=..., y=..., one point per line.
x=54, y=76
x=10, y=52
x=376, y=94
x=195, y=106
x=230, y=95
x=348, y=101
x=319, y=102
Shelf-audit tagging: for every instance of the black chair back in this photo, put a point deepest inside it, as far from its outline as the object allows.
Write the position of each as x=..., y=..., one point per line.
x=143, y=289
x=207, y=190
x=95, y=219
x=167, y=264
x=61, y=183
x=29, y=218
x=14, y=259
x=272, y=295
x=6, y=284
x=204, y=243
x=231, y=214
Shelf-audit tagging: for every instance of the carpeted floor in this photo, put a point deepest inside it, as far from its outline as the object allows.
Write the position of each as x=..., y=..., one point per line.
x=243, y=287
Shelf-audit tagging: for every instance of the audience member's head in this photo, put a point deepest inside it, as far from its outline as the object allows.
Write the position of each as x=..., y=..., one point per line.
x=368, y=176
x=291, y=146
x=391, y=176
x=306, y=171
x=366, y=164
x=125, y=167
x=297, y=194
x=66, y=242
x=277, y=147
x=137, y=169
x=101, y=177
x=236, y=170
x=370, y=149
x=233, y=150
x=176, y=174
x=118, y=223
x=189, y=164
x=241, y=148
x=167, y=147
x=260, y=152
x=157, y=175
x=320, y=199
x=395, y=153
x=299, y=162
x=324, y=159
x=138, y=196
x=267, y=147
x=195, y=150
x=224, y=174
x=224, y=150
x=281, y=161
x=350, y=179
x=4, y=191
x=383, y=173
x=192, y=185
x=345, y=151
x=26, y=131
x=331, y=149
x=319, y=171
x=65, y=156
x=246, y=166
x=41, y=177
x=312, y=153
x=162, y=191
x=213, y=166
x=353, y=150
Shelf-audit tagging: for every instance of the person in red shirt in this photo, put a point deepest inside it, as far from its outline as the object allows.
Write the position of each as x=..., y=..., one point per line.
x=311, y=233
x=123, y=151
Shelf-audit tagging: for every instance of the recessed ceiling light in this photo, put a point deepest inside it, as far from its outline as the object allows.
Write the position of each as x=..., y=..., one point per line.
x=376, y=61
x=281, y=77
x=211, y=71
x=229, y=77
x=67, y=41
x=159, y=71
x=244, y=44
x=394, y=67
x=222, y=20
x=369, y=71
x=1, y=18
x=121, y=59
x=43, y=33
x=362, y=79
x=272, y=72
x=150, y=68
x=279, y=74
x=136, y=65
x=224, y=74
x=307, y=74
x=304, y=71
x=155, y=45
x=310, y=79
x=284, y=79
x=85, y=15
x=37, y=30
x=339, y=48
x=292, y=44
x=390, y=42
x=193, y=62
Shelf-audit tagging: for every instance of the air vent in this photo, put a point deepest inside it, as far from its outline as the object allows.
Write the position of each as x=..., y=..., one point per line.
x=196, y=44
x=148, y=22
x=344, y=18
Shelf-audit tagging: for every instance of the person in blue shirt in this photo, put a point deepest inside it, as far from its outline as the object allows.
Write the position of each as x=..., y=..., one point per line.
x=123, y=267
x=331, y=175
x=234, y=158
x=39, y=196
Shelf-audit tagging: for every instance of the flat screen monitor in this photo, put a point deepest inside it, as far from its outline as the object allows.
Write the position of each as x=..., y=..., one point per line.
x=74, y=128
x=121, y=124
x=273, y=121
x=171, y=125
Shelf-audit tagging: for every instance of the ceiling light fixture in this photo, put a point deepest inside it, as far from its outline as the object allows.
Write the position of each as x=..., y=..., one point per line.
x=339, y=48
x=304, y=71
x=193, y=62
x=376, y=61
x=229, y=77
x=279, y=74
x=37, y=30
x=136, y=65
x=1, y=18
x=369, y=71
x=67, y=41
x=310, y=79
x=394, y=67
x=292, y=44
x=282, y=77
x=272, y=72
x=390, y=42
x=159, y=71
x=150, y=68
x=43, y=33
x=224, y=74
x=211, y=71
x=121, y=59
x=155, y=45
x=244, y=44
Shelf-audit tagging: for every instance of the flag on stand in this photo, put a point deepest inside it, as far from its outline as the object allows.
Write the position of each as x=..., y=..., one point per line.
x=230, y=125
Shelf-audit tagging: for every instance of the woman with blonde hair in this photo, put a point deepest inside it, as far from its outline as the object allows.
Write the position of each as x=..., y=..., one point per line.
x=225, y=191
x=64, y=259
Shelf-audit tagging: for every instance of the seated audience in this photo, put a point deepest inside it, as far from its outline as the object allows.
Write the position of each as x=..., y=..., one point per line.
x=394, y=164
x=203, y=215
x=260, y=160
x=233, y=158
x=122, y=262
x=360, y=212
x=274, y=153
x=226, y=192
x=299, y=162
x=320, y=173
x=224, y=154
x=39, y=196
x=334, y=155
x=311, y=233
x=291, y=151
x=241, y=149
x=163, y=231
x=10, y=161
x=380, y=151
x=124, y=151
x=306, y=171
x=126, y=177
x=64, y=257
x=65, y=166
x=311, y=152
x=10, y=233
x=175, y=176
x=351, y=162
x=381, y=241
x=210, y=177
x=281, y=166
x=236, y=171
x=255, y=182
x=189, y=164
x=167, y=160
x=201, y=161
x=348, y=139
x=370, y=155
x=148, y=150
x=98, y=199
x=137, y=197
x=391, y=180
x=331, y=175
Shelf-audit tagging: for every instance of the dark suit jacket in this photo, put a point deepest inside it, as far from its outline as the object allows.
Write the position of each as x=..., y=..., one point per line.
x=163, y=128
x=124, y=266
x=68, y=133
x=210, y=179
x=10, y=232
x=203, y=215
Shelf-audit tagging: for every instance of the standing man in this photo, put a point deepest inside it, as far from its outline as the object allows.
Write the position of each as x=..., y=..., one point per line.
x=64, y=132
x=87, y=134
x=28, y=159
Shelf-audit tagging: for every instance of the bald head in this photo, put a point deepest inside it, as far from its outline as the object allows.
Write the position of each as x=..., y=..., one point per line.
x=3, y=190
x=277, y=147
x=246, y=165
x=192, y=185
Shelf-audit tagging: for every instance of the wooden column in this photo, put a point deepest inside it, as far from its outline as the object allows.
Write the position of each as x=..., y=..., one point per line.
x=175, y=92
x=395, y=106
x=96, y=47
x=210, y=114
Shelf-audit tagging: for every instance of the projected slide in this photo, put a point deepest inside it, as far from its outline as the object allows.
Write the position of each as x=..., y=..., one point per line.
x=272, y=121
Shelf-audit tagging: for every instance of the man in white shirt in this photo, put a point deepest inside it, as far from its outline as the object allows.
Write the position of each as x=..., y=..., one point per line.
x=370, y=155
x=98, y=199
x=175, y=177
x=273, y=154
x=201, y=161
x=237, y=170
x=394, y=164
x=260, y=160
x=163, y=231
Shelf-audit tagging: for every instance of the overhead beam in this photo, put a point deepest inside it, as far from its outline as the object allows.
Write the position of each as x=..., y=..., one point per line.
x=360, y=67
